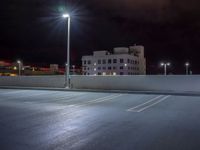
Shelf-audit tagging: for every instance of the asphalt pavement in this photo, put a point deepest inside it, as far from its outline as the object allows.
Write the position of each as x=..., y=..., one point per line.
x=69, y=120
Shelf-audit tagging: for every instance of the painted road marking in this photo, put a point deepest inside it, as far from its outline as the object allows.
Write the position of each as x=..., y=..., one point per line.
x=162, y=99
x=148, y=104
x=98, y=100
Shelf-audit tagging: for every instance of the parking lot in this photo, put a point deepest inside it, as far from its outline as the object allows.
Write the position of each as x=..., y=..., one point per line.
x=65, y=120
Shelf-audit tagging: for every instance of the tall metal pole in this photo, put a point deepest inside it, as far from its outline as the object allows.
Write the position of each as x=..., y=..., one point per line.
x=19, y=68
x=68, y=54
x=165, y=69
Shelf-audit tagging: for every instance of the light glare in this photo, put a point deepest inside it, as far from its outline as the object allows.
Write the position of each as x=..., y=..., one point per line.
x=66, y=15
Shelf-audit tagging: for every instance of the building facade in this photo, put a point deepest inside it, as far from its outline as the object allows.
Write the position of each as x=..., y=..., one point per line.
x=123, y=61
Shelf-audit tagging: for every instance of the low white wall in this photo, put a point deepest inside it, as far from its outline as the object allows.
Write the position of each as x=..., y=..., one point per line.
x=179, y=83
x=33, y=81
x=151, y=83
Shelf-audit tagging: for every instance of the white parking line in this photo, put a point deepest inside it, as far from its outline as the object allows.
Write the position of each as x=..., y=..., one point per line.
x=148, y=104
x=66, y=97
x=98, y=100
x=155, y=98
x=162, y=99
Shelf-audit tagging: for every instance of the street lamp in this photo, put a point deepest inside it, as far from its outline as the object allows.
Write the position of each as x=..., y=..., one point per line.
x=187, y=64
x=19, y=67
x=68, y=51
x=165, y=67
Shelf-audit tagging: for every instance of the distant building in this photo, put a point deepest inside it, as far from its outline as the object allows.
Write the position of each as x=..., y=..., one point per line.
x=123, y=61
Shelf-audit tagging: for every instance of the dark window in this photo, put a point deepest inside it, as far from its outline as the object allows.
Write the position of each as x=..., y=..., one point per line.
x=121, y=60
x=104, y=61
x=99, y=61
x=85, y=62
x=121, y=73
x=104, y=68
x=99, y=68
x=109, y=61
x=99, y=73
x=114, y=68
x=128, y=60
x=109, y=68
x=121, y=67
x=88, y=68
x=114, y=61
x=89, y=62
x=135, y=62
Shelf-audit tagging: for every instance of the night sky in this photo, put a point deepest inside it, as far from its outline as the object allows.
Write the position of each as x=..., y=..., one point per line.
x=34, y=31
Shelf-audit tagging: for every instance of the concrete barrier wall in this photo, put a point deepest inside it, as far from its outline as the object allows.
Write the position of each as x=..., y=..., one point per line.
x=151, y=83
x=33, y=81
x=177, y=83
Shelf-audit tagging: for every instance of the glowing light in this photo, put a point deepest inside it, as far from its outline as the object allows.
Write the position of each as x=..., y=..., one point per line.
x=15, y=68
x=66, y=16
x=187, y=63
x=104, y=73
x=114, y=73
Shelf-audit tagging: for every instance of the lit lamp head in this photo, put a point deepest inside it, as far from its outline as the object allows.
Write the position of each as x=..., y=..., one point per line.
x=66, y=16
x=125, y=65
x=187, y=64
x=162, y=64
x=19, y=62
x=168, y=64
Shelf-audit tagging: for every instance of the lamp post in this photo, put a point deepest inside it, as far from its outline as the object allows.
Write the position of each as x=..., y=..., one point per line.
x=165, y=67
x=187, y=64
x=19, y=67
x=67, y=81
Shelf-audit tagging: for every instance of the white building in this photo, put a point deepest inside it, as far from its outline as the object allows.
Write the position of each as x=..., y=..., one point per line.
x=123, y=61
